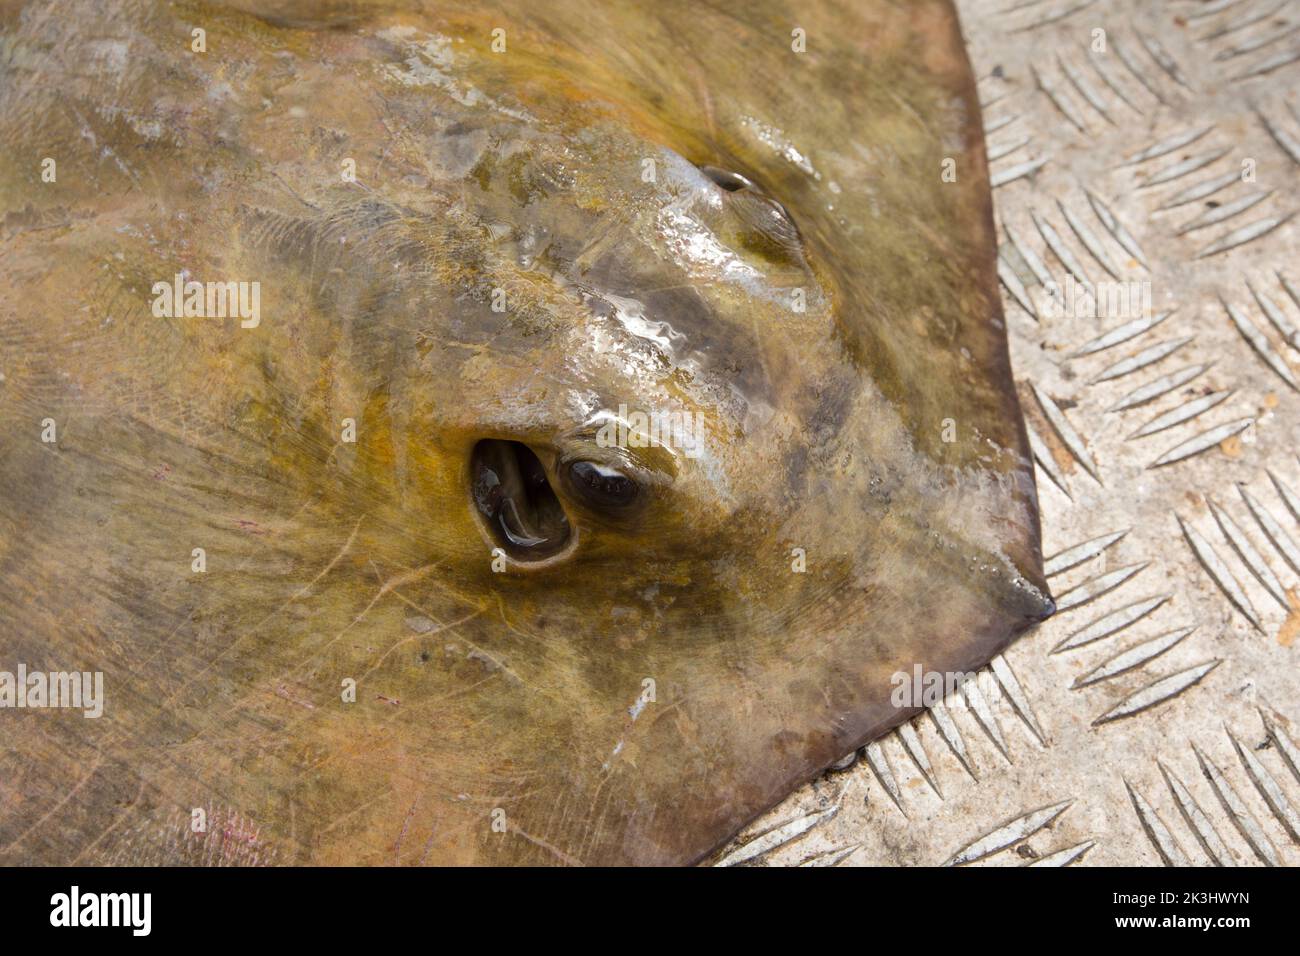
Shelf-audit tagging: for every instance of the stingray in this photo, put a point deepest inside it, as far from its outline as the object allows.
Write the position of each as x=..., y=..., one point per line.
x=490, y=433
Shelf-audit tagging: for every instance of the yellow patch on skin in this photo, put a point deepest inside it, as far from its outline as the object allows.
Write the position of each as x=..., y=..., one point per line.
x=1231, y=446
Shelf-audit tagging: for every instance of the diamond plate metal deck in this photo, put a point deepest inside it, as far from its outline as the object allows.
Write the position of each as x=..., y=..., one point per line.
x=1156, y=719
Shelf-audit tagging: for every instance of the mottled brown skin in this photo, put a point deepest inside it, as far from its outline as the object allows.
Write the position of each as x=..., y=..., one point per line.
x=326, y=560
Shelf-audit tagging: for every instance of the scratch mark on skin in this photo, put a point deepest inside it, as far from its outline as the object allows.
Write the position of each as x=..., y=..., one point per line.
x=557, y=814
x=324, y=571
x=635, y=711
x=277, y=735
x=465, y=826
x=596, y=827
x=58, y=806
x=293, y=727
x=550, y=848
x=428, y=844
x=117, y=821
x=283, y=691
x=496, y=662
x=447, y=698
x=417, y=637
x=501, y=666
x=234, y=644
x=608, y=770
x=408, y=577
x=406, y=824
x=253, y=693
x=355, y=810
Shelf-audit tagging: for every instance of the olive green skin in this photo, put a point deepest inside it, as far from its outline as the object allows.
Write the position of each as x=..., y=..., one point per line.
x=500, y=716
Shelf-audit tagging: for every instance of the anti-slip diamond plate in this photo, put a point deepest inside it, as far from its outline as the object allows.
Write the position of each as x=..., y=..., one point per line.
x=1145, y=147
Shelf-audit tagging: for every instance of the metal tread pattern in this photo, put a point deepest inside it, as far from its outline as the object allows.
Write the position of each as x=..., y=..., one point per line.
x=1155, y=720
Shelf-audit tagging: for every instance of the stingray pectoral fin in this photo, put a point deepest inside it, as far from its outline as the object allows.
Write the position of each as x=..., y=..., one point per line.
x=733, y=728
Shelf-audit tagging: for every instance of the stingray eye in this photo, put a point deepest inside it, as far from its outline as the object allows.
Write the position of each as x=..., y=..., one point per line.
x=601, y=487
